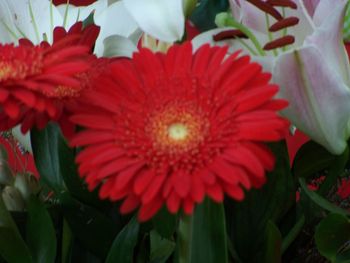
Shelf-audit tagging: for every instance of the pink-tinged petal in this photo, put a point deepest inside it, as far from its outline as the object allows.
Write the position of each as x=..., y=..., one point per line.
x=328, y=39
x=253, y=17
x=324, y=10
x=310, y=6
x=312, y=87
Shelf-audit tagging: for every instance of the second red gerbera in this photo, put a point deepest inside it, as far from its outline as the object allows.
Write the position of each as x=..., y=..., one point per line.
x=173, y=128
x=38, y=83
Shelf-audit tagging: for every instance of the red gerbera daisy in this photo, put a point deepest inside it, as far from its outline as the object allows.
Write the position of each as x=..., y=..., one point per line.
x=37, y=83
x=173, y=128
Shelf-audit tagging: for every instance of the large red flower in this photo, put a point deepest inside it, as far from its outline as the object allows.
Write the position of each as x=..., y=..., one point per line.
x=38, y=83
x=173, y=128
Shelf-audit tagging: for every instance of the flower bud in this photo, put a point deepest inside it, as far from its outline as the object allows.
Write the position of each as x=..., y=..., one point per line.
x=6, y=176
x=13, y=199
x=26, y=185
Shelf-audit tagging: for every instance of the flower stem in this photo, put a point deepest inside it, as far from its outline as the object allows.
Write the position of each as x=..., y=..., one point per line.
x=293, y=233
x=269, y=33
x=185, y=238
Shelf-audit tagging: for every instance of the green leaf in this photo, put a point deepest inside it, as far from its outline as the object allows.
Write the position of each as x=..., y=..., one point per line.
x=273, y=253
x=41, y=236
x=165, y=223
x=47, y=158
x=161, y=248
x=91, y=227
x=247, y=220
x=55, y=162
x=67, y=242
x=343, y=257
x=310, y=159
x=123, y=246
x=331, y=234
x=204, y=14
x=12, y=246
x=202, y=237
x=319, y=200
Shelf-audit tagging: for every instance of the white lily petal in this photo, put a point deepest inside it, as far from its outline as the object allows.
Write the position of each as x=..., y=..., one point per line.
x=254, y=18
x=266, y=62
x=329, y=40
x=24, y=24
x=24, y=139
x=6, y=23
x=304, y=28
x=324, y=9
x=236, y=9
x=80, y=13
x=162, y=19
x=308, y=82
x=125, y=25
x=118, y=46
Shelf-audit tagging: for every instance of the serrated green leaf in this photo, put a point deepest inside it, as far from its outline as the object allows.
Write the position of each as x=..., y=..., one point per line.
x=41, y=235
x=123, y=246
x=331, y=234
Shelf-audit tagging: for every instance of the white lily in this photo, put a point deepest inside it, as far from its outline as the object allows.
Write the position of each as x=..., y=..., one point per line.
x=123, y=19
x=313, y=72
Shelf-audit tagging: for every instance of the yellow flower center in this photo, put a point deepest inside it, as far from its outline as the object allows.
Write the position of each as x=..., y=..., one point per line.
x=177, y=131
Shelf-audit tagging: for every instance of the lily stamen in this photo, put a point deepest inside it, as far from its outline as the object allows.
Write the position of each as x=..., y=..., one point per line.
x=284, y=23
x=228, y=34
x=267, y=8
x=283, y=3
x=280, y=42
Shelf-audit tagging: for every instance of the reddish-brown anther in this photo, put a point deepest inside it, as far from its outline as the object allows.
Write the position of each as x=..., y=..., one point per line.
x=284, y=23
x=228, y=34
x=267, y=8
x=283, y=3
x=280, y=42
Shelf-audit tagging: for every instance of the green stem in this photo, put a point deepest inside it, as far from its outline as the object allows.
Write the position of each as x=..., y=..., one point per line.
x=185, y=239
x=248, y=33
x=285, y=30
x=293, y=233
x=267, y=19
x=251, y=50
x=335, y=171
x=67, y=239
